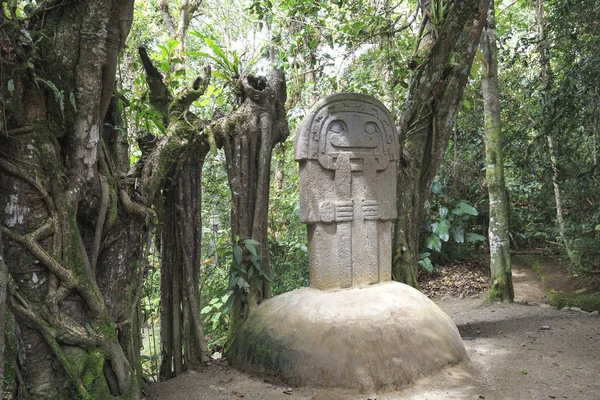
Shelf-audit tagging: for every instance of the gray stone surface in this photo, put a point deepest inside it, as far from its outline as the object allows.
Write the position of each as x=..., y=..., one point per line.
x=346, y=148
x=373, y=338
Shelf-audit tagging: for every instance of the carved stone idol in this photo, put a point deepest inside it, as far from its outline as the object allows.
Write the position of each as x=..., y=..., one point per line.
x=347, y=149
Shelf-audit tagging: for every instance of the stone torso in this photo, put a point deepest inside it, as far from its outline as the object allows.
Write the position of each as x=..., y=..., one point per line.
x=347, y=150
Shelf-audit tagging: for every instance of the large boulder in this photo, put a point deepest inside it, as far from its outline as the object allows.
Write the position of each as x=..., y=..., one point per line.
x=371, y=338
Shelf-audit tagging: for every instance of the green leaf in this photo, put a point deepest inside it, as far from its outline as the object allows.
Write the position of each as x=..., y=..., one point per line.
x=72, y=99
x=256, y=264
x=205, y=310
x=242, y=284
x=251, y=248
x=436, y=188
x=11, y=85
x=164, y=65
x=434, y=243
x=220, y=75
x=441, y=228
x=426, y=264
x=172, y=43
x=597, y=227
x=214, y=47
x=237, y=255
x=464, y=208
x=443, y=212
x=474, y=237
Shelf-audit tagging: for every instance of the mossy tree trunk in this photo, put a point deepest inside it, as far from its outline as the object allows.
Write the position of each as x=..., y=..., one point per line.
x=74, y=240
x=442, y=62
x=248, y=136
x=172, y=183
x=499, y=239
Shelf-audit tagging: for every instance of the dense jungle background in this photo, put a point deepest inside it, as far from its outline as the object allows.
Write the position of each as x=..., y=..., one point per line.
x=148, y=188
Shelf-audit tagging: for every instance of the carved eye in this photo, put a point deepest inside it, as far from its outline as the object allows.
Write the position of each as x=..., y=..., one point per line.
x=371, y=128
x=336, y=127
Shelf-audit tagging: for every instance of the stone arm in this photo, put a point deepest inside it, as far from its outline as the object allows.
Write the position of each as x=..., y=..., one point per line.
x=318, y=200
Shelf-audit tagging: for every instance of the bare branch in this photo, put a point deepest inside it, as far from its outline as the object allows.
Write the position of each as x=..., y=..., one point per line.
x=160, y=96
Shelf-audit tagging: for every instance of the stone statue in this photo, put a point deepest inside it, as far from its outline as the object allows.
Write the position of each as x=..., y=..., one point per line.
x=362, y=337
x=347, y=150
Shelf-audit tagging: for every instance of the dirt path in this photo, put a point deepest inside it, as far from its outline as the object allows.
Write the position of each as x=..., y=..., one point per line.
x=528, y=288
x=518, y=351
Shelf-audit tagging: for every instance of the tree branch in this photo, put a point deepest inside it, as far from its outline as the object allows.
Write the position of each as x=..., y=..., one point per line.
x=160, y=96
x=30, y=243
x=137, y=209
x=163, y=7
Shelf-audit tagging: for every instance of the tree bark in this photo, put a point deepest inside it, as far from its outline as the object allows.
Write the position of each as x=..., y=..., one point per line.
x=174, y=168
x=248, y=137
x=73, y=238
x=3, y=287
x=499, y=237
x=443, y=62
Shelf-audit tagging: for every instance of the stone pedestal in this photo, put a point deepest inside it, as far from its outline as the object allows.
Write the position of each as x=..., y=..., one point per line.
x=369, y=339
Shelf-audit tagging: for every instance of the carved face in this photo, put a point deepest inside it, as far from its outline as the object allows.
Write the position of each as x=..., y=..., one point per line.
x=353, y=133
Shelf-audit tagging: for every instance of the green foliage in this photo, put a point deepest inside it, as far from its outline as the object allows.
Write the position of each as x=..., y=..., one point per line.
x=287, y=236
x=246, y=269
x=445, y=219
x=217, y=311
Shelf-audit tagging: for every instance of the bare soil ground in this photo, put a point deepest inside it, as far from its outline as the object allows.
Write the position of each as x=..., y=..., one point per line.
x=525, y=350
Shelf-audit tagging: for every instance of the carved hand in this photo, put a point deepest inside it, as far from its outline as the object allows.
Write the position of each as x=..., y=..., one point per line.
x=370, y=209
x=344, y=210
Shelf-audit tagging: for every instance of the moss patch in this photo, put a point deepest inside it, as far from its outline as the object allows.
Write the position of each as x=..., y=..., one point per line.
x=563, y=290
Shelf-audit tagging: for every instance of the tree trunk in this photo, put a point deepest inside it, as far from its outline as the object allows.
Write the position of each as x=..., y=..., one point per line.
x=442, y=62
x=174, y=168
x=73, y=238
x=248, y=137
x=3, y=287
x=499, y=237
x=546, y=80
x=560, y=220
